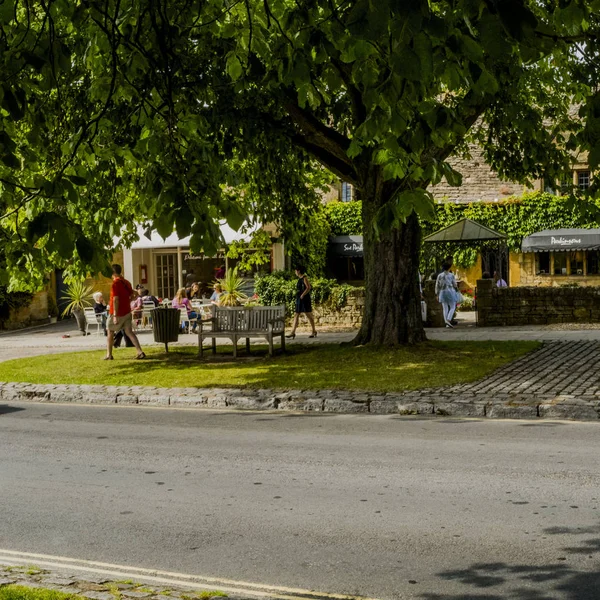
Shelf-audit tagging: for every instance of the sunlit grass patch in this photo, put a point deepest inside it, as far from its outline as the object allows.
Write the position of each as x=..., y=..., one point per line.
x=432, y=364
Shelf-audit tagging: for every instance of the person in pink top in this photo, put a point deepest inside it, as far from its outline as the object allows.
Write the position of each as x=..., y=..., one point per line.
x=181, y=301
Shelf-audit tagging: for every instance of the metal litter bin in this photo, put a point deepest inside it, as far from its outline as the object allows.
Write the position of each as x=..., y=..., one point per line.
x=165, y=324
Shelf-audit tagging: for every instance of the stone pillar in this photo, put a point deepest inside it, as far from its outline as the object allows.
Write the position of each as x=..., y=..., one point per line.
x=484, y=300
x=435, y=313
x=278, y=251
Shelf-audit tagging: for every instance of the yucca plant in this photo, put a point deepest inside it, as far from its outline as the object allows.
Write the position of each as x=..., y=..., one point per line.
x=79, y=296
x=232, y=285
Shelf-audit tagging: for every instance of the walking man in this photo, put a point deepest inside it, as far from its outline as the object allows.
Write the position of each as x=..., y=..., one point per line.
x=120, y=313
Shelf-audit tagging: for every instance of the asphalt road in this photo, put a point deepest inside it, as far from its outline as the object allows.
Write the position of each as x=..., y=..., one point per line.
x=386, y=507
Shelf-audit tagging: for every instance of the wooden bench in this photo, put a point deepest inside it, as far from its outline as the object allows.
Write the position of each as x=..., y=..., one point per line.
x=239, y=322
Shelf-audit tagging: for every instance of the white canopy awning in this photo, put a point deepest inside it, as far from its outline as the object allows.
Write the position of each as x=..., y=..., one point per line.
x=173, y=241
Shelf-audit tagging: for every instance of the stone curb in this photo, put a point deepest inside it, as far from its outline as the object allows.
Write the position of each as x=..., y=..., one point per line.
x=99, y=587
x=448, y=402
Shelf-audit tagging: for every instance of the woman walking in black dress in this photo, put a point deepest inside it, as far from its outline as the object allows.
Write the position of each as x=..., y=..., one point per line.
x=303, y=302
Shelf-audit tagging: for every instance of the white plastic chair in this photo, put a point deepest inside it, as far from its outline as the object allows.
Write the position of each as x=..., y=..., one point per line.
x=185, y=320
x=147, y=309
x=91, y=319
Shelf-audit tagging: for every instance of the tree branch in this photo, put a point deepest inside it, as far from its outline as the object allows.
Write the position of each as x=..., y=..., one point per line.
x=358, y=107
x=333, y=146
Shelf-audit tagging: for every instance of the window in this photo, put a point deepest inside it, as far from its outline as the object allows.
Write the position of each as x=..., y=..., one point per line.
x=593, y=262
x=166, y=266
x=583, y=180
x=542, y=263
x=347, y=192
x=560, y=263
x=576, y=260
x=549, y=186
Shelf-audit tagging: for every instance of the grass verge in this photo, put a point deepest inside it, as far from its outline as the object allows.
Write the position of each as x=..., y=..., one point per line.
x=21, y=592
x=432, y=364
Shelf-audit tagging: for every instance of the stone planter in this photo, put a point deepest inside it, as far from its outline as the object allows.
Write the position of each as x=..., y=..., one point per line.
x=80, y=318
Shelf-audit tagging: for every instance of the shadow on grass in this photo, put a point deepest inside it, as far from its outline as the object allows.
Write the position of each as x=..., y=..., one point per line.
x=325, y=366
x=530, y=582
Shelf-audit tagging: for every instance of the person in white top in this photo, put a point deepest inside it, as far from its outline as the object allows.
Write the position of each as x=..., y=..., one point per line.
x=498, y=281
x=446, y=290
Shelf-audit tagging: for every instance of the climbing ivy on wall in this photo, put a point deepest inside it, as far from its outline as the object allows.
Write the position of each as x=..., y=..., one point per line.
x=516, y=217
x=344, y=217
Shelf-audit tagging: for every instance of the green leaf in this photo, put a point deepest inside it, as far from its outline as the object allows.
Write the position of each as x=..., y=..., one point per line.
x=423, y=48
x=235, y=216
x=77, y=180
x=7, y=11
x=183, y=221
x=453, y=177
x=10, y=160
x=85, y=249
x=419, y=200
x=234, y=67
x=164, y=225
x=407, y=64
x=11, y=104
x=354, y=149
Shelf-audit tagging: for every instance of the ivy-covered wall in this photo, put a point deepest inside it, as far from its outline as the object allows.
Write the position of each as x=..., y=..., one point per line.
x=516, y=217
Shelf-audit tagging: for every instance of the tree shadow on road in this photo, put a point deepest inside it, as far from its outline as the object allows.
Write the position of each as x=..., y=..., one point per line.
x=5, y=409
x=489, y=581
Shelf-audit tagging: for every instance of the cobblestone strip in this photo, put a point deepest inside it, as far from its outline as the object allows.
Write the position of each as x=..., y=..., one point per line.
x=101, y=588
x=561, y=380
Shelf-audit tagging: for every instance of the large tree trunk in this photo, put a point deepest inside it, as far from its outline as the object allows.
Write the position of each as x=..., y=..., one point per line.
x=392, y=312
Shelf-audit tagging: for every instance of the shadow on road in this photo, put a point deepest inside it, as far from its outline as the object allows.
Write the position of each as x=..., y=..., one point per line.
x=5, y=409
x=530, y=582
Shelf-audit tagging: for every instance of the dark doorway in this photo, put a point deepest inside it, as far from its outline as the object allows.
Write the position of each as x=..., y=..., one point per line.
x=496, y=259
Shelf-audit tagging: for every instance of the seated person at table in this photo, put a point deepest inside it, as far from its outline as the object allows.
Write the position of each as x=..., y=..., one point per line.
x=218, y=290
x=180, y=301
x=193, y=292
x=147, y=297
x=137, y=305
x=101, y=309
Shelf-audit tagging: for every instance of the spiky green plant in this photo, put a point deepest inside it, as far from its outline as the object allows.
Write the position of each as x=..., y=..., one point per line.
x=232, y=285
x=78, y=295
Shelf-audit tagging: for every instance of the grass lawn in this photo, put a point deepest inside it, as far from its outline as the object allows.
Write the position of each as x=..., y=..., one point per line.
x=431, y=364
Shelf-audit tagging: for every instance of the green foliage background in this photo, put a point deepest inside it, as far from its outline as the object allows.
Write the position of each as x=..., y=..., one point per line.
x=280, y=288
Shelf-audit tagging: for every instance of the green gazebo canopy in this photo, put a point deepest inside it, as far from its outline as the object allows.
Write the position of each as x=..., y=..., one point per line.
x=465, y=230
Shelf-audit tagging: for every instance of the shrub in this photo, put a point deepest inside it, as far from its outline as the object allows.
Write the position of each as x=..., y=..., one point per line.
x=280, y=288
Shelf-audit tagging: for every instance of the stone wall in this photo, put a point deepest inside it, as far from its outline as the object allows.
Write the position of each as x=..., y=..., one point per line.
x=36, y=312
x=536, y=305
x=350, y=316
x=347, y=317
x=479, y=181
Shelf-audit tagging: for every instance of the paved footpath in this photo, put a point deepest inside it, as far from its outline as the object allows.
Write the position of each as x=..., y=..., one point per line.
x=561, y=380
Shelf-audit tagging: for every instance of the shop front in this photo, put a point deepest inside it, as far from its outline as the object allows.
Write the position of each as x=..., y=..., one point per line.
x=165, y=265
x=345, y=260
x=560, y=257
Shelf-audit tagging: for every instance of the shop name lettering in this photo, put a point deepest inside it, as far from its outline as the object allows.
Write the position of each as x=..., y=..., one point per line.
x=354, y=247
x=561, y=241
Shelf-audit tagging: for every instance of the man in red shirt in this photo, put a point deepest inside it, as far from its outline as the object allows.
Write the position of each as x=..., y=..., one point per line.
x=120, y=313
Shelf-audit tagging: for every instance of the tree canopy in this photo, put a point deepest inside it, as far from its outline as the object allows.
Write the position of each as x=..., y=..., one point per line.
x=178, y=113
